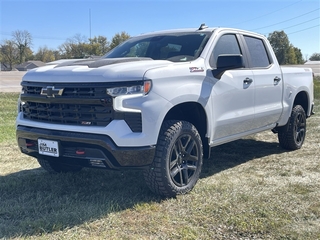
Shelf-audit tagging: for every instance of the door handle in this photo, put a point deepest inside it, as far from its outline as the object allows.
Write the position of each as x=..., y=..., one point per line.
x=276, y=80
x=247, y=81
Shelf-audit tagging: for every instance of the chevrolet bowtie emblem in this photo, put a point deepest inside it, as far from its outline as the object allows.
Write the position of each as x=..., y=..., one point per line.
x=51, y=91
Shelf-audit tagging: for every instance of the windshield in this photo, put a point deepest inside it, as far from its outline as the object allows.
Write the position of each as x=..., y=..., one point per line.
x=177, y=47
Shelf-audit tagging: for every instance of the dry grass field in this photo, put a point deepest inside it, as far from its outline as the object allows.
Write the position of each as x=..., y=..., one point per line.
x=249, y=189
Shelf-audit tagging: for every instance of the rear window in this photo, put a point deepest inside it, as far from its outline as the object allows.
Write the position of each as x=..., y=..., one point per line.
x=258, y=53
x=176, y=47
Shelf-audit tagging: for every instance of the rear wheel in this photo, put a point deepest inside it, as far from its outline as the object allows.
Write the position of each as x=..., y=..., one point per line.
x=56, y=167
x=178, y=160
x=292, y=135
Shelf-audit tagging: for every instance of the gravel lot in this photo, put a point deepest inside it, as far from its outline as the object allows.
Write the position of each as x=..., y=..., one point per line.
x=10, y=81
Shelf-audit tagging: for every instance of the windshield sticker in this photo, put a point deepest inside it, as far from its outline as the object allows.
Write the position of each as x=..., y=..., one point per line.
x=196, y=69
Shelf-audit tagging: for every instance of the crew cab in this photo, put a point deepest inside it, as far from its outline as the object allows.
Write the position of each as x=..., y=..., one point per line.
x=159, y=102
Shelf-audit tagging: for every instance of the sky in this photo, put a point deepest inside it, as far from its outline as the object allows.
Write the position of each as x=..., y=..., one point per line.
x=52, y=22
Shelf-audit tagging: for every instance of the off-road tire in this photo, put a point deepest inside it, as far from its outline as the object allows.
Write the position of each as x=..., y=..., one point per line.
x=292, y=135
x=55, y=167
x=178, y=159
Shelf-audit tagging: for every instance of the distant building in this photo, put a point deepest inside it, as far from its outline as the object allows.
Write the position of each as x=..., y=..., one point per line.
x=312, y=62
x=29, y=65
x=4, y=67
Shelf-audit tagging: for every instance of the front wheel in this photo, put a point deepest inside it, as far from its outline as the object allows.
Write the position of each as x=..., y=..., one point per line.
x=178, y=159
x=292, y=135
x=56, y=167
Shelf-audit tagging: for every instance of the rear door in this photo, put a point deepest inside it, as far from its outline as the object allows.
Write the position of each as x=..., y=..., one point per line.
x=233, y=94
x=267, y=83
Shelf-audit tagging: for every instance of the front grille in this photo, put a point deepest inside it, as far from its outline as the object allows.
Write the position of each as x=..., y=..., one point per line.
x=64, y=113
x=82, y=105
x=70, y=91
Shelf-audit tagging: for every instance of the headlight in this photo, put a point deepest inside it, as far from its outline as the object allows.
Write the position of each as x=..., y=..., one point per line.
x=126, y=90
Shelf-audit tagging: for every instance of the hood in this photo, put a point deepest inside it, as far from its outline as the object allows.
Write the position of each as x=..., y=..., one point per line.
x=95, y=70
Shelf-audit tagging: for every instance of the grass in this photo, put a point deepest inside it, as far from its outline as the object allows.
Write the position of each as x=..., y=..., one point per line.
x=249, y=189
x=8, y=112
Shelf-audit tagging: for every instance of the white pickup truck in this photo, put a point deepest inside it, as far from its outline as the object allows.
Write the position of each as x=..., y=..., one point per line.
x=159, y=102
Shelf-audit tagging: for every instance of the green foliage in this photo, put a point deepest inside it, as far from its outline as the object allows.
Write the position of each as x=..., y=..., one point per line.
x=9, y=54
x=294, y=56
x=285, y=52
x=99, y=45
x=8, y=112
x=280, y=44
x=18, y=49
x=299, y=57
x=79, y=47
x=119, y=38
x=315, y=57
x=45, y=55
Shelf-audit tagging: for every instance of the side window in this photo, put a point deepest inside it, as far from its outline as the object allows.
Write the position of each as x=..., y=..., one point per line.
x=257, y=51
x=227, y=44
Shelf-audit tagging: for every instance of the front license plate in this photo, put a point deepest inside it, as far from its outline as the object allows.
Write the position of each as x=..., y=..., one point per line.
x=48, y=147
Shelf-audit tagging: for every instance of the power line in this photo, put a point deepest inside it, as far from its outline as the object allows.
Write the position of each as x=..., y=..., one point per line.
x=268, y=13
x=301, y=23
x=296, y=25
x=304, y=29
x=35, y=37
x=48, y=38
x=286, y=20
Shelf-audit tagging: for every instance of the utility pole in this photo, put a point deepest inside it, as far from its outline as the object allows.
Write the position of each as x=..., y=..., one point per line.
x=90, y=21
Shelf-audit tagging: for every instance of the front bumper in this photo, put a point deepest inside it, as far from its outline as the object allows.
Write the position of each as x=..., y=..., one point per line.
x=85, y=149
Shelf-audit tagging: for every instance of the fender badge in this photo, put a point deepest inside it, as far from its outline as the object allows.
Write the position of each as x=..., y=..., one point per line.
x=196, y=69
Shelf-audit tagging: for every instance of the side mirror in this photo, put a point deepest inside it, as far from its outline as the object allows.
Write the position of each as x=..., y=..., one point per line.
x=227, y=62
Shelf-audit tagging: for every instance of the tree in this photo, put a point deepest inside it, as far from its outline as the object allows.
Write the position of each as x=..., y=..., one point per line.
x=299, y=56
x=45, y=55
x=285, y=52
x=99, y=45
x=315, y=57
x=291, y=56
x=56, y=54
x=294, y=56
x=23, y=41
x=280, y=44
x=9, y=54
x=118, y=38
x=74, y=47
x=79, y=47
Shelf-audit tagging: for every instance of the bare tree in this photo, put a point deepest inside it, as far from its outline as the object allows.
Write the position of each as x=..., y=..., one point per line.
x=23, y=41
x=75, y=47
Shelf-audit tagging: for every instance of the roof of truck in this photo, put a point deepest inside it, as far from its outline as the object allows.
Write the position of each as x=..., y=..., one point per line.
x=200, y=29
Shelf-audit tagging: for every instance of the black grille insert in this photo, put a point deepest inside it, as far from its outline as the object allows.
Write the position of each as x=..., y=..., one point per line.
x=81, y=105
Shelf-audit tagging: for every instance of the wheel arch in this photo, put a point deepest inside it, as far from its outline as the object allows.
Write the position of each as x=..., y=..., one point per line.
x=303, y=100
x=194, y=113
